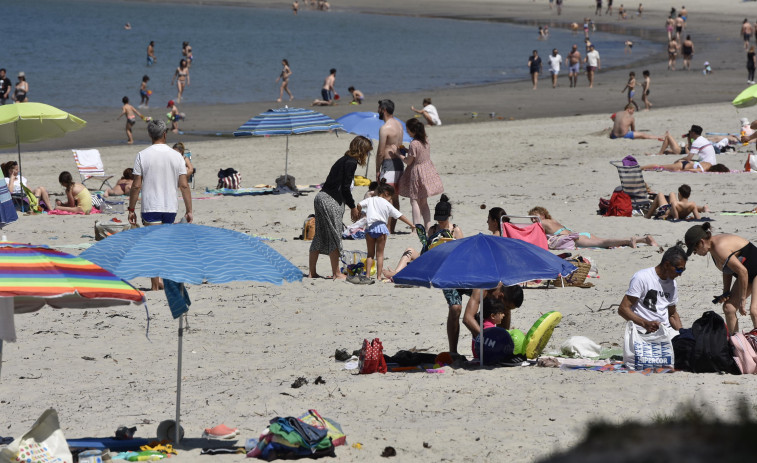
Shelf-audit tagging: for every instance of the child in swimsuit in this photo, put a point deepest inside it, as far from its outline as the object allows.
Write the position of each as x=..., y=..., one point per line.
x=494, y=313
x=79, y=197
x=144, y=93
x=378, y=210
x=131, y=114
x=631, y=86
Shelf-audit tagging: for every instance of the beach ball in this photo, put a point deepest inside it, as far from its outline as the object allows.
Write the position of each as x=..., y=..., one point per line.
x=519, y=340
x=149, y=92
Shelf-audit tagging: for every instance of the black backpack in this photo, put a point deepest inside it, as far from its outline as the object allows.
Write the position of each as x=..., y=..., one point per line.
x=683, y=348
x=712, y=352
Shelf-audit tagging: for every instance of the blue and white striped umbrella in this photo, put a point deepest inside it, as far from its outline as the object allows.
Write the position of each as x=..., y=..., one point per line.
x=287, y=121
x=189, y=253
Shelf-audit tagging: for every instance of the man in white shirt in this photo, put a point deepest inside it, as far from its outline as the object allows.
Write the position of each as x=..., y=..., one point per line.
x=652, y=296
x=428, y=112
x=592, y=64
x=554, y=66
x=158, y=170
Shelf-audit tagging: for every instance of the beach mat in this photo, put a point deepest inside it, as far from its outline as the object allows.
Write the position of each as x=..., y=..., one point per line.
x=101, y=443
x=240, y=191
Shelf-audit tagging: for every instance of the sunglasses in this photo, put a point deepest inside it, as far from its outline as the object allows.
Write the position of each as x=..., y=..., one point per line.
x=680, y=270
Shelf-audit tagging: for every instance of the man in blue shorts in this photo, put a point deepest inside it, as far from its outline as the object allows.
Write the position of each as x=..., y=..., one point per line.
x=158, y=170
x=625, y=126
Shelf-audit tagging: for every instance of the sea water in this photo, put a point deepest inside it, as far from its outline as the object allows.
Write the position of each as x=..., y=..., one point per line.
x=77, y=55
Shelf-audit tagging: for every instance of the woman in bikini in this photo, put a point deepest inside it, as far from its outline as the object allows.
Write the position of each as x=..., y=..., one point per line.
x=123, y=187
x=181, y=76
x=585, y=239
x=286, y=72
x=735, y=257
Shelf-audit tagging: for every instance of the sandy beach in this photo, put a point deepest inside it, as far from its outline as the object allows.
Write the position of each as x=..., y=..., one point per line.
x=248, y=343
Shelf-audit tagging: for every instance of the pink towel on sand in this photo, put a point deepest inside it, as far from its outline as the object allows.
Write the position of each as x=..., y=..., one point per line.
x=533, y=233
x=57, y=212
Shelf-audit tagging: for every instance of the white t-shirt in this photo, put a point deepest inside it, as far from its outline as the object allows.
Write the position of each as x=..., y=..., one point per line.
x=16, y=186
x=703, y=147
x=554, y=62
x=378, y=209
x=160, y=168
x=592, y=58
x=655, y=296
x=431, y=110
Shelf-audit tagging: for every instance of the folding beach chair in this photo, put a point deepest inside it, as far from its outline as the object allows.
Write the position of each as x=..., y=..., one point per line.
x=530, y=232
x=90, y=166
x=632, y=182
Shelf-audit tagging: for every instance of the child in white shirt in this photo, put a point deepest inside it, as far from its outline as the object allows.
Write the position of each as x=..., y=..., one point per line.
x=378, y=210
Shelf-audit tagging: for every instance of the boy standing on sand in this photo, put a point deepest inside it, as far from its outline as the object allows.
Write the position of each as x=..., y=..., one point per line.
x=631, y=86
x=131, y=118
x=645, y=84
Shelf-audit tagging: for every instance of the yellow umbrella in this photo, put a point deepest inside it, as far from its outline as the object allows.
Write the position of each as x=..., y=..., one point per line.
x=31, y=122
x=746, y=98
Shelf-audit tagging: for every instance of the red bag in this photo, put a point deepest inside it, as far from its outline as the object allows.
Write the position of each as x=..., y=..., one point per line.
x=620, y=205
x=372, y=357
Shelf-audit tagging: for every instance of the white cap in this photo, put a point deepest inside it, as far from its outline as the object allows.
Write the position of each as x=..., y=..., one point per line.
x=744, y=121
x=706, y=63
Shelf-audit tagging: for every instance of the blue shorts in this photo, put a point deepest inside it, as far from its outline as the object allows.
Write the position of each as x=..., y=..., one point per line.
x=325, y=95
x=377, y=230
x=152, y=218
x=628, y=135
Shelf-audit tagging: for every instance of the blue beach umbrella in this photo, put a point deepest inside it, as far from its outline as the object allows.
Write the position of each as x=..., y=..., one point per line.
x=367, y=124
x=483, y=262
x=188, y=253
x=287, y=121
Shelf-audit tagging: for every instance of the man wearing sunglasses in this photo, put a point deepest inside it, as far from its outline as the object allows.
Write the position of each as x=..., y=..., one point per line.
x=653, y=294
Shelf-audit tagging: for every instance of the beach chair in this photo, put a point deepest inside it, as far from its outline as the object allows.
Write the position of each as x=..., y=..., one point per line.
x=90, y=166
x=530, y=232
x=632, y=182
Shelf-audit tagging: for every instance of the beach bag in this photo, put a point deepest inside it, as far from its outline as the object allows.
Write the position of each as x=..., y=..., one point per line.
x=751, y=163
x=43, y=443
x=620, y=205
x=437, y=238
x=308, y=228
x=712, y=351
x=229, y=178
x=106, y=229
x=98, y=202
x=562, y=242
x=372, y=357
x=647, y=350
x=683, y=347
x=333, y=429
x=629, y=161
x=744, y=354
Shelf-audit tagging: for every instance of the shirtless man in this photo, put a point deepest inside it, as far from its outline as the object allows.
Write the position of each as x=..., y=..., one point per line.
x=679, y=27
x=389, y=165
x=625, y=126
x=746, y=32
x=151, y=53
x=327, y=91
x=573, y=60
x=677, y=207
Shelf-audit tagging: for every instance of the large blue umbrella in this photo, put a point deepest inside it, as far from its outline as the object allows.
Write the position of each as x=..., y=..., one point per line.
x=482, y=262
x=367, y=124
x=188, y=253
x=287, y=121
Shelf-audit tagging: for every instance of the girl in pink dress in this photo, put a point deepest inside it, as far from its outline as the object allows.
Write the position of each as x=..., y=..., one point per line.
x=420, y=179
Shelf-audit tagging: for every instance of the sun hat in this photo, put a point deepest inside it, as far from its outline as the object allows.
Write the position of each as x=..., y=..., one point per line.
x=21, y=74
x=442, y=211
x=170, y=103
x=693, y=236
x=744, y=121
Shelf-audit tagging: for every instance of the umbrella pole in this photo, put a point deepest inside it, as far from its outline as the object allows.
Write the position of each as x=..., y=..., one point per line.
x=481, y=325
x=1, y=357
x=20, y=173
x=286, y=162
x=177, y=428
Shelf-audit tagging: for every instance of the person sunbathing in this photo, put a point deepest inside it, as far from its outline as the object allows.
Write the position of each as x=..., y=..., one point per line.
x=123, y=187
x=624, y=126
x=671, y=146
x=696, y=144
x=585, y=239
x=677, y=206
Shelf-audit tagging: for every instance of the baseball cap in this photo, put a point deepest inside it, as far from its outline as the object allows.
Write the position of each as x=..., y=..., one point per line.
x=170, y=103
x=442, y=211
x=692, y=238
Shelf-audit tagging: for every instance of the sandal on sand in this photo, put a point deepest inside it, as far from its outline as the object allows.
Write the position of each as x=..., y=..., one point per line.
x=220, y=432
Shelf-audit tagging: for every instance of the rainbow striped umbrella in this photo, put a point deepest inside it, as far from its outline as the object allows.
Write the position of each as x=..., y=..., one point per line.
x=32, y=276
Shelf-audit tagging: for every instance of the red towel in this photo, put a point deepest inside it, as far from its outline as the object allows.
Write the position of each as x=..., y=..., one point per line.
x=533, y=233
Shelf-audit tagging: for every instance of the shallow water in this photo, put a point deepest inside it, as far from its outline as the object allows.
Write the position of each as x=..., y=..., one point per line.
x=77, y=55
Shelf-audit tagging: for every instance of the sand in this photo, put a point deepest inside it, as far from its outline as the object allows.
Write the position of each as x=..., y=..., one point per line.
x=249, y=342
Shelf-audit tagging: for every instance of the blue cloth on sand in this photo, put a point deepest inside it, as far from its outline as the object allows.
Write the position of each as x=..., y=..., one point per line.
x=178, y=298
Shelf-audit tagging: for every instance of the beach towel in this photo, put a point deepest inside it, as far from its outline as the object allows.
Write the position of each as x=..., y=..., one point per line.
x=533, y=234
x=239, y=191
x=57, y=212
x=178, y=298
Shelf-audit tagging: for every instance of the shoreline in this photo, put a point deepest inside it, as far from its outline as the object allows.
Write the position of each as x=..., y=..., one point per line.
x=508, y=101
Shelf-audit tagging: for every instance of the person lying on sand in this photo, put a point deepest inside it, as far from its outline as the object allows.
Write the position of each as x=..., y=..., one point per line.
x=584, y=239
x=696, y=144
x=718, y=142
x=652, y=296
x=625, y=126
x=677, y=206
